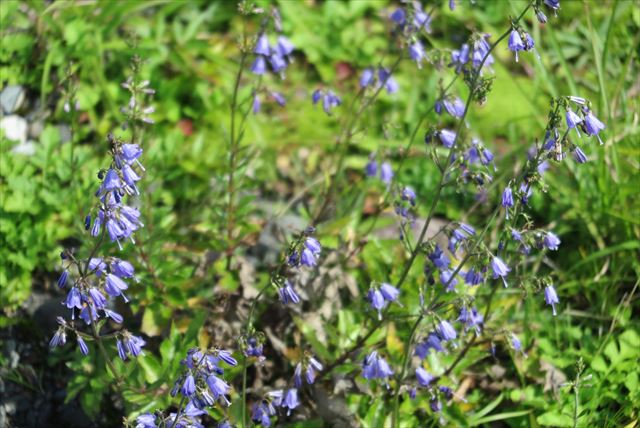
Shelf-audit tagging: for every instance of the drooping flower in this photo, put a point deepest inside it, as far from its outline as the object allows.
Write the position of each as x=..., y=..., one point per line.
x=398, y=16
x=377, y=301
x=262, y=45
x=288, y=294
x=551, y=241
x=114, y=285
x=423, y=377
x=416, y=53
x=592, y=125
x=507, y=198
x=515, y=42
x=259, y=65
x=290, y=400
x=447, y=137
x=285, y=47
x=551, y=297
x=471, y=318
x=500, y=269
x=188, y=386
x=367, y=77
x=372, y=168
x=432, y=341
x=454, y=106
x=62, y=281
x=409, y=195
x=446, y=331
x=84, y=349
x=579, y=155
x=386, y=172
x=573, y=120
x=389, y=83
x=375, y=367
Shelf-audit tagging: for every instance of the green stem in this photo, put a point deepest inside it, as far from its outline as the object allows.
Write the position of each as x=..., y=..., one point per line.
x=232, y=158
x=405, y=360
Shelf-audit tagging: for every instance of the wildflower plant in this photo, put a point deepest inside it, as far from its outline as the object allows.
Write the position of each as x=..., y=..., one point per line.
x=440, y=286
x=96, y=281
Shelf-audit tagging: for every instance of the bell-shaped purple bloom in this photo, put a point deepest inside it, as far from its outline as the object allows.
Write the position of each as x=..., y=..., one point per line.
x=116, y=317
x=408, y=195
x=455, y=107
x=423, y=377
x=316, y=95
x=97, y=266
x=376, y=299
x=290, y=400
x=471, y=318
x=386, y=172
x=277, y=63
x=473, y=277
x=447, y=137
x=83, y=346
x=375, y=367
x=74, y=299
x=500, y=269
x=422, y=20
x=398, y=16
x=580, y=156
x=389, y=292
x=114, y=285
x=573, y=120
x=507, y=198
x=515, y=42
x=188, y=386
x=372, y=168
x=262, y=45
x=446, y=331
x=416, y=53
x=551, y=241
x=329, y=101
x=111, y=181
x=551, y=297
x=367, y=77
x=593, y=125
x=255, y=107
x=259, y=65
x=98, y=298
x=431, y=342
x=260, y=414
x=285, y=47
x=279, y=98
x=439, y=258
x=387, y=81
x=217, y=386
x=58, y=339
x=122, y=268
x=146, y=420
x=288, y=294
x=62, y=281
x=529, y=43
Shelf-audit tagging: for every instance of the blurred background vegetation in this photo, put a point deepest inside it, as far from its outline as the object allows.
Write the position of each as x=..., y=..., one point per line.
x=185, y=296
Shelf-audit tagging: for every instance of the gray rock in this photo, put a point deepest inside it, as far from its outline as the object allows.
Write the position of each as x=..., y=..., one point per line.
x=35, y=129
x=15, y=128
x=27, y=148
x=11, y=98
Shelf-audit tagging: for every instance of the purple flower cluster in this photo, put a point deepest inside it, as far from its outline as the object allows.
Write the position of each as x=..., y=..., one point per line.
x=520, y=41
x=201, y=385
x=329, y=99
x=263, y=411
x=380, y=297
x=376, y=367
x=310, y=367
x=385, y=172
x=368, y=79
x=95, y=282
x=278, y=55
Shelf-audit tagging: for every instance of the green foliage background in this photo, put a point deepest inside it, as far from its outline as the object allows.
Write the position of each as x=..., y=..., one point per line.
x=190, y=52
